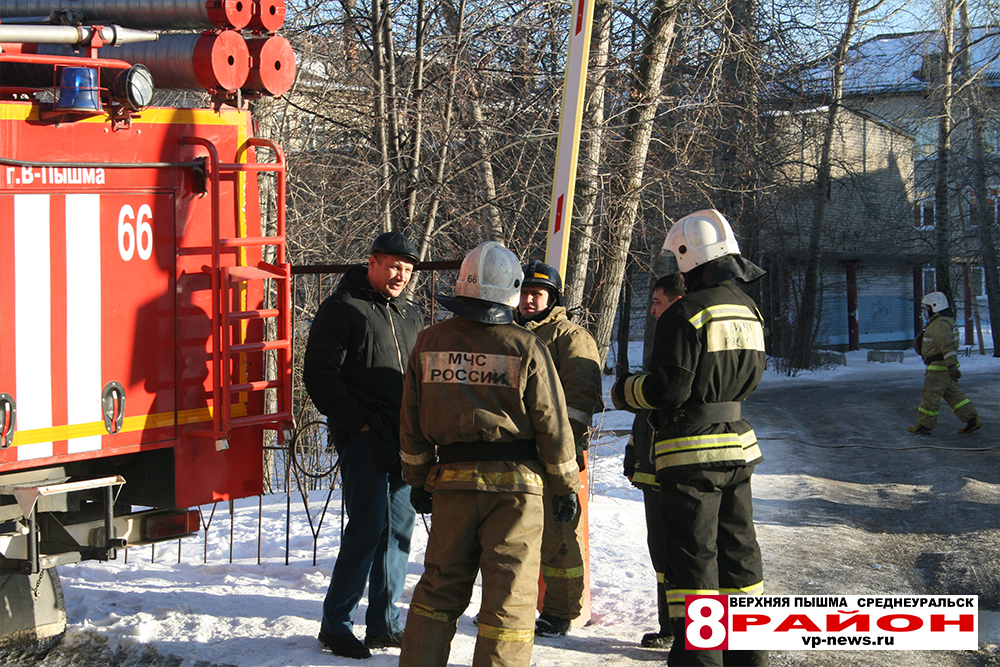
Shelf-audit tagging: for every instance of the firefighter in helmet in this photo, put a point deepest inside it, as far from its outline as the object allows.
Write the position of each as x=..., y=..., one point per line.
x=575, y=355
x=708, y=356
x=483, y=429
x=939, y=349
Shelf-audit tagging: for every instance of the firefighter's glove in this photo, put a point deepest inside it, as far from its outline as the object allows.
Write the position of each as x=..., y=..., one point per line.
x=618, y=395
x=421, y=500
x=954, y=373
x=565, y=507
x=630, y=460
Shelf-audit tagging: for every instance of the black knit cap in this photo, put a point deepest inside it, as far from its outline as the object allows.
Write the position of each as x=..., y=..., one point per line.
x=394, y=243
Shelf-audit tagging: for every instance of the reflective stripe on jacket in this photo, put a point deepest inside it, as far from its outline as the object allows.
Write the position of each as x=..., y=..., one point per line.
x=708, y=349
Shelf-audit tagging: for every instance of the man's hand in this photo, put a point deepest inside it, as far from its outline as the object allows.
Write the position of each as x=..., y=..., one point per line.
x=954, y=373
x=565, y=507
x=421, y=500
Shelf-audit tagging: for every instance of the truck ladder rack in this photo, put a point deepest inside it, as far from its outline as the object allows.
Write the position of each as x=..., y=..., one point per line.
x=229, y=318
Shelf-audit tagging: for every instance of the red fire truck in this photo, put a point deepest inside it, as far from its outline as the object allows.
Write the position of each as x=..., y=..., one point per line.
x=144, y=306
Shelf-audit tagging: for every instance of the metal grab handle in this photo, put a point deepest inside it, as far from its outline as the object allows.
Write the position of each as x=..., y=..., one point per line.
x=113, y=402
x=8, y=420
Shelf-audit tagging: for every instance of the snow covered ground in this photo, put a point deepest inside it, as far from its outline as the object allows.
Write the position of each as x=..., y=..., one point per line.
x=154, y=610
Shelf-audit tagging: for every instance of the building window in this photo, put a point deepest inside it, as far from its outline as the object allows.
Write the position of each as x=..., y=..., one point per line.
x=992, y=209
x=923, y=214
x=991, y=135
x=977, y=280
x=925, y=140
x=930, y=279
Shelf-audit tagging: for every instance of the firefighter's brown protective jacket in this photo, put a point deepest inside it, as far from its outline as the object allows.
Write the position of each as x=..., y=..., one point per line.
x=940, y=343
x=575, y=354
x=470, y=382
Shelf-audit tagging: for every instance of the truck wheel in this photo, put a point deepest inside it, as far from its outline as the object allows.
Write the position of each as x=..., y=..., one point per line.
x=32, y=610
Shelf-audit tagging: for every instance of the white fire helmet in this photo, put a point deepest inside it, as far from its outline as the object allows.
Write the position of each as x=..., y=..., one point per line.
x=492, y=273
x=699, y=238
x=937, y=301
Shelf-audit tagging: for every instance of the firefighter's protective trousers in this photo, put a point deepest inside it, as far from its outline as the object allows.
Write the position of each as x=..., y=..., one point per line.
x=938, y=385
x=712, y=549
x=498, y=534
x=562, y=563
x=656, y=541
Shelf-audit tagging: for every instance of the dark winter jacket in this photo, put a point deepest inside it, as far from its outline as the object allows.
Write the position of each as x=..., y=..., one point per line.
x=708, y=356
x=355, y=361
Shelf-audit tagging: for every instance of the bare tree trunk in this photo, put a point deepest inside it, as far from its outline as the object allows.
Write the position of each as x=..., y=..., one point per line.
x=645, y=92
x=381, y=139
x=481, y=138
x=417, y=131
x=807, y=321
x=430, y=222
x=588, y=181
x=982, y=215
x=942, y=194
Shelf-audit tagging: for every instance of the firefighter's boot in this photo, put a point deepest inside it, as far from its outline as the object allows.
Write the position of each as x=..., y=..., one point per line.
x=919, y=430
x=662, y=639
x=970, y=426
x=426, y=641
x=548, y=625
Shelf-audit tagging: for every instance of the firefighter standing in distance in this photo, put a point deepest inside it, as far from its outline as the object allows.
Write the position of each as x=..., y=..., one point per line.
x=575, y=355
x=641, y=471
x=939, y=349
x=484, y=429
x=708, y=356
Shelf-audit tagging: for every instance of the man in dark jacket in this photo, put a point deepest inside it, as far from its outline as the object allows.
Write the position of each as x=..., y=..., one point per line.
x=354, y=366
x=708, y=356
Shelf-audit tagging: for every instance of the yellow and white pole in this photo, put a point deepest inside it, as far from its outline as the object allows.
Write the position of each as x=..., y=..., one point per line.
x=561, y=213
x=568, y=148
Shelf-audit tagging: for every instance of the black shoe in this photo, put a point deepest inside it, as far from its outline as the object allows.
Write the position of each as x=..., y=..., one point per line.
x=970, y=426
x=919, y=430
x=346, y=646
x=391, y=640
x=657, y=639
x=551, y=626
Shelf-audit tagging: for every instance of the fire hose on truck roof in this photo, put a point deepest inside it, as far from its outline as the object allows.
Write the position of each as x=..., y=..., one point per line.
x=220, y=59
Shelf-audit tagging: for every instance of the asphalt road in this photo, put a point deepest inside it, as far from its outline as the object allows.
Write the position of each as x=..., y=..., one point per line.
x=847, y=501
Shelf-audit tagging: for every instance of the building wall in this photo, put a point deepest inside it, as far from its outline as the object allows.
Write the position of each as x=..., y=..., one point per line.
x=885, y=306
